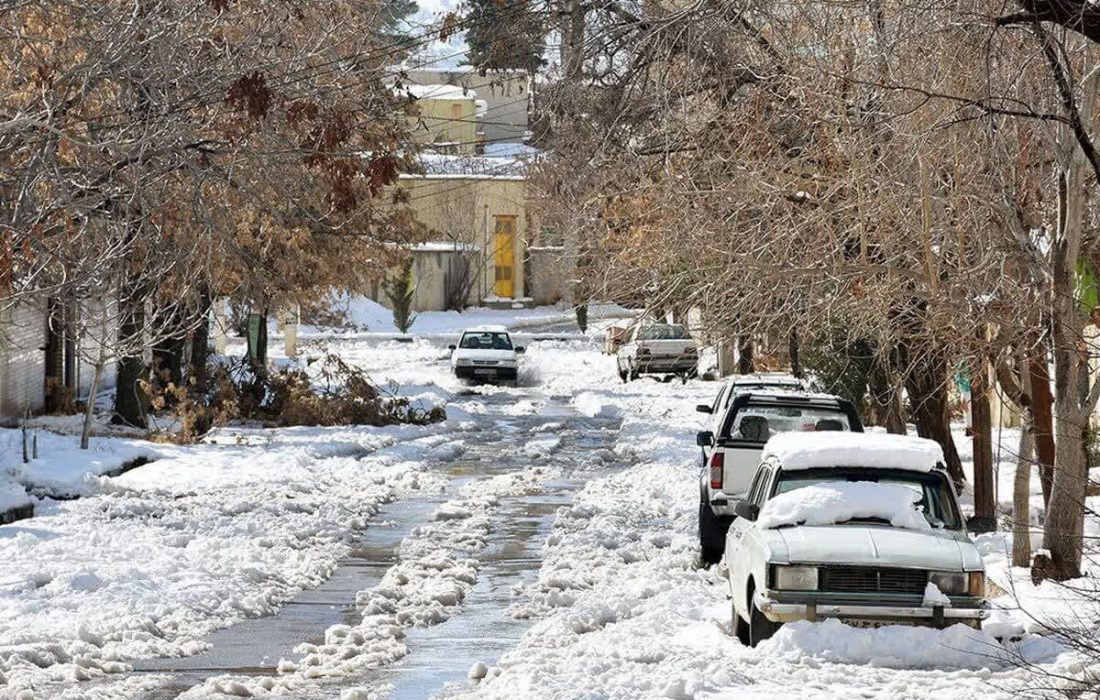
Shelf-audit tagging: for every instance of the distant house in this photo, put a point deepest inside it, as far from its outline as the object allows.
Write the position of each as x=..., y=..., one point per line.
x=505, y=97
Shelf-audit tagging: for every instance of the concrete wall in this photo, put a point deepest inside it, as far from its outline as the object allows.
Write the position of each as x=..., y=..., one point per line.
x=545, y=283
x=22, y=361
x=506, y=96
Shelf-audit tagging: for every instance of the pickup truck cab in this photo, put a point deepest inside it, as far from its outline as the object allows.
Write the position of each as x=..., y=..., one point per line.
x=485, y=353
x=862, y=528
x=658, y=348
x=733, y=445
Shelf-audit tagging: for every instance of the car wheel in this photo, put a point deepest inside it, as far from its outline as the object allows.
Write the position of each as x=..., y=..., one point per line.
x=739, y=626
x=712, y=535
x=760, y=627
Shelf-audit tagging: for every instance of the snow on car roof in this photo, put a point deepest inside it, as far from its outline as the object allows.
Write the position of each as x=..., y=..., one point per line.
x=843, y=449
x=783, y=393
x=488, y=328
x=766, y=378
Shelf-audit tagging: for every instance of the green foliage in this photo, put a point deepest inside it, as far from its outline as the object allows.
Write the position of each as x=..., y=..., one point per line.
x=393, y=16
x=399, y=290
x=840, y=364
x=505, y=35
x=582, y=317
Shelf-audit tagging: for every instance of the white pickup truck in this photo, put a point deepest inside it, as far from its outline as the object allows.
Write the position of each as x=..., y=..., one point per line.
x=861, y=528
x=658, y=348
x=732, y=447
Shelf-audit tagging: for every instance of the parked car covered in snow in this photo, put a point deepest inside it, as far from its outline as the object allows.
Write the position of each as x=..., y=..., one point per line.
x=862, y=528
x=485, y=353
x=658, y=348
x=741, y=422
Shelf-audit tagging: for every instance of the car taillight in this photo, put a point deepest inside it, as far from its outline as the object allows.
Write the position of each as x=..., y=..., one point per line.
x=976, y=583
x=717, y=462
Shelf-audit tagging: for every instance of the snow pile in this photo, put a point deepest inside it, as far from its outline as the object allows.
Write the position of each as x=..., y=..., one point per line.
x=828, y=503
x=12, y=495
x=62, y=468
x=897, y=646
x=842, y=449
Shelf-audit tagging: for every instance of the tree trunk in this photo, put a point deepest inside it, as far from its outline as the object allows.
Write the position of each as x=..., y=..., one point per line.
x=257, y=341
x=89, y=409
x=793, y=346
x=886, y=402
x=200, y=339
x=927, y=386
x=54, y=365
x=985, y=516
x=744, y=354
x=1021, y=499
x=1042, y=410
x=131, y=402
x=168, y=352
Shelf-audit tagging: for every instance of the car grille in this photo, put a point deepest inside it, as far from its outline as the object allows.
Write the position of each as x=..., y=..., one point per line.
x=865, y=579
x=485, y=362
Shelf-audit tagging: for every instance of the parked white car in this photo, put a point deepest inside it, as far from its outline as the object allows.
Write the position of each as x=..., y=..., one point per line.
x=485, y=353
x=741, y=422
x=863, y=528
x=658, y=348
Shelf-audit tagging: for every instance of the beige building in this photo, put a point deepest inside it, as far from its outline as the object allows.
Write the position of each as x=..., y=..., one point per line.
x=444, y=117
x=505, y=96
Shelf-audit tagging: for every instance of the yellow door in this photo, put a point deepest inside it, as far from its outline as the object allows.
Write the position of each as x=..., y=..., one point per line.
x=504, y=256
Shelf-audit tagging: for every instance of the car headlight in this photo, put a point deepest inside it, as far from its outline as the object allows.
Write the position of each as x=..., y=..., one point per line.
x=508, y=363
x=462, y=362
x=950, y=582
x=794, y=578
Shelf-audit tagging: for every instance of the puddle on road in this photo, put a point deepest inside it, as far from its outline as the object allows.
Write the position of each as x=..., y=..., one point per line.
x=480, y=629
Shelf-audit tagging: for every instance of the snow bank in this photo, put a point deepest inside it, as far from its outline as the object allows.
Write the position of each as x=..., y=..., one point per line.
x=834, y=449
x=12, y=495
x=63, y=469
x=838, y=502
x=957, y=647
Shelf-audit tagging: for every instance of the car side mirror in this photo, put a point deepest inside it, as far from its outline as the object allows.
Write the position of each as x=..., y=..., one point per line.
x=704, y=438
x=704, y=408
x=520, y=350
x=746, y=510
x=451, y=347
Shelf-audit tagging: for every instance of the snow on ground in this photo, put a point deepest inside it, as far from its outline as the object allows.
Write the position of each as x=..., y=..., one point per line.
x=211, y=534
x=188, y=544
x=367, y=316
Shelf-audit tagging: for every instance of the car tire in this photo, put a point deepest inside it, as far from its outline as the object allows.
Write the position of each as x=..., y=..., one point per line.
x=760, y=627
x=712, y=534
x=739, y=626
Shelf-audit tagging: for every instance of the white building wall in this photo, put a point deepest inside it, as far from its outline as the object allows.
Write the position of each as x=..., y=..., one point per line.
x=22, y=361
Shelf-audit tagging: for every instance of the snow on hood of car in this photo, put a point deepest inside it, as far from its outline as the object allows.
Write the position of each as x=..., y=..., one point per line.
x=813, y=450
x=839, y=502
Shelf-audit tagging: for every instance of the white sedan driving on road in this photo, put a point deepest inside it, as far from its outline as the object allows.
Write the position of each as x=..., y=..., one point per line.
x=860, y=527
x=485, y=353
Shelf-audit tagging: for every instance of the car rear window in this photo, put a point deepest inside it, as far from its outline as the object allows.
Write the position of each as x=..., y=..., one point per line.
x=757, y=423
x=664, y=332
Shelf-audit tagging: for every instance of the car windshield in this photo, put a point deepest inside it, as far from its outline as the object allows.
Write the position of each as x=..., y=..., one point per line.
x=937, y=501
x=486, y=341
x=757, y=423
x=662, y=331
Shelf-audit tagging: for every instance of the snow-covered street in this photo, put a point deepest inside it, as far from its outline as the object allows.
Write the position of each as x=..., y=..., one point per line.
x=540, y=543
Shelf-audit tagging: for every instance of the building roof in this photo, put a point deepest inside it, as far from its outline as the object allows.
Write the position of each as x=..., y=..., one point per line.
x=503, y=167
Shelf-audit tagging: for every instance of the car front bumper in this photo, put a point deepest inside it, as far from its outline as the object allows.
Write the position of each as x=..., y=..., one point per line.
x=913, y=614
x=481, y=373
x=657, y=364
